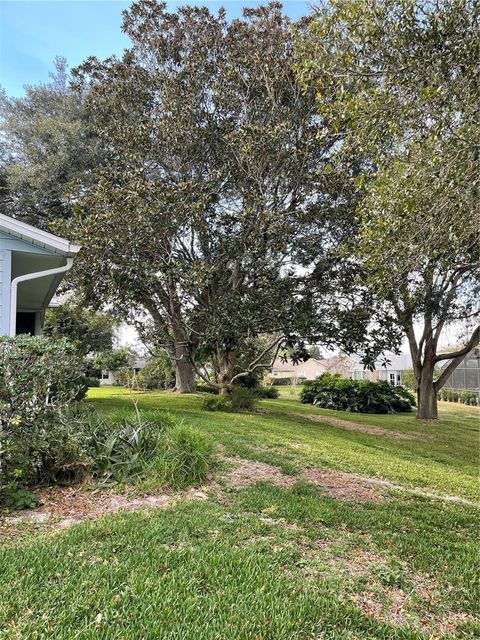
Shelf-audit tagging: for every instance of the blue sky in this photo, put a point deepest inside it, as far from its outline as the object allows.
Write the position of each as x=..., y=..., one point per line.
x=33, y=32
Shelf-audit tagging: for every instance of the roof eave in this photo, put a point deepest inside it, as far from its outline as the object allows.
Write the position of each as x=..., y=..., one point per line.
x=39, y=238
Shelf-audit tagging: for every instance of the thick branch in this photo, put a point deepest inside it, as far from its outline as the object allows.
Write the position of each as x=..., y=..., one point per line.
x=456, y=359
x=473, y=341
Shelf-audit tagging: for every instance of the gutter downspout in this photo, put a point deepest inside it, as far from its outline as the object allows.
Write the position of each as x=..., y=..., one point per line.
x=24, y=278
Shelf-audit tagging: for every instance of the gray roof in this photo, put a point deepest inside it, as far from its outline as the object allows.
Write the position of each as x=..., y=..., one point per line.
x=398, y=362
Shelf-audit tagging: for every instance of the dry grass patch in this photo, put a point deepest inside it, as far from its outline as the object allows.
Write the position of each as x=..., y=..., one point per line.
x=358, y=426
x=244, y=473
x=61, y=507
x=344, y=486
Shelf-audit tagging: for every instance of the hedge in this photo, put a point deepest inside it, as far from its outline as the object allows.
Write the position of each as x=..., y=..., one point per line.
x=359, y=396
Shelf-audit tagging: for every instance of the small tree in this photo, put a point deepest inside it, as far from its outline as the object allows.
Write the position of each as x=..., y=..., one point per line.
x=115, y=359
x=89, y=331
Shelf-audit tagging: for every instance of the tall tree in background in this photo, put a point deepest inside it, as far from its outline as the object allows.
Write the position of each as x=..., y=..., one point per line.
x=398, y=83
x=213, y=173
x=47, y=149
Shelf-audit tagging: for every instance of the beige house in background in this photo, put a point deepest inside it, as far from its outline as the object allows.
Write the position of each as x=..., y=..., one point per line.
x=346, y=366
x=340, y=364
x=310, y=369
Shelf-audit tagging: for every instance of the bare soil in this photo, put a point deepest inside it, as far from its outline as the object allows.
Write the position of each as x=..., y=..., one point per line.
x=247, y=472
x=61, y=507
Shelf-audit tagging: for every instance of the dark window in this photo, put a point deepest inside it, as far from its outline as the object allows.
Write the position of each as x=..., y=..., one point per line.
x=26, y=322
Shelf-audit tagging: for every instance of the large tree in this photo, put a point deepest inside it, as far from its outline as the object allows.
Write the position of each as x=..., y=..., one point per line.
x=398, y=83
x=48, y=148
x=213, y=173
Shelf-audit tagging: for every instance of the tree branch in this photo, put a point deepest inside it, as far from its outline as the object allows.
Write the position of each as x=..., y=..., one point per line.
x=456, y=359
x=472, y=342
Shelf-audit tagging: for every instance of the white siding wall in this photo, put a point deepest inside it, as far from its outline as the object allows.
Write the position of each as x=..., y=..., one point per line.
x=5, y=270
x=1, y=287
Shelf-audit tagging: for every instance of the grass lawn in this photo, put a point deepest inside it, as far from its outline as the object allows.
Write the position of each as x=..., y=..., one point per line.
x=272, y=560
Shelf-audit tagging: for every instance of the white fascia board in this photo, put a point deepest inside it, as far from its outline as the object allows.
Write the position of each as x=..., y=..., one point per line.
x=37, y=237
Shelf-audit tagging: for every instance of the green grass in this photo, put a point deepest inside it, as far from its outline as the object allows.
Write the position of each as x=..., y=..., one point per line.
x=440, y=457
x=266, y=563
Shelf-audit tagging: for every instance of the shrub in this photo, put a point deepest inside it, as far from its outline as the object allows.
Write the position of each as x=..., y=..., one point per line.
x=216, y=403
x=125, y=377
x=406, y=394
x=334, y=392
x=282, y=382
x=243, y=399
x=151, y=449
x=207, y=388
x=266, y=392
x=90, y=381
x=84, y=383
x=39, y=379
x=156, y=374
x=121, y=451
x=251, y=380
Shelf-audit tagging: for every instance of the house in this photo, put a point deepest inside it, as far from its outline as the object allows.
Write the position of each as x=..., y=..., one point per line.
x=393, y=371
x=310, y=369
x=32, y=264
x=110, y=378
x=466, y=376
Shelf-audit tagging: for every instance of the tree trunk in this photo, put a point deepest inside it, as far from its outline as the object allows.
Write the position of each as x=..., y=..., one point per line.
x=227, y=362
x=427, y=402
x=184, y=371
x=426, y=393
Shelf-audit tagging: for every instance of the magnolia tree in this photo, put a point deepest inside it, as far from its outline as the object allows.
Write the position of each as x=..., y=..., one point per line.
x=397, y=81
x=214, y=174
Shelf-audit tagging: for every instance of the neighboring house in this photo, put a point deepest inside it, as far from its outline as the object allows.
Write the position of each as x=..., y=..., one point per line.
x=340, y=364
x=109, y=377
x=310, y=369
x=32, y=264
x=392, y=372
x=466, y=376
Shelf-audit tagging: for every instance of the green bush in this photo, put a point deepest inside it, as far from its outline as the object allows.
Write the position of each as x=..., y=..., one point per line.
x=84, y=384
x=152, y=449
x=359, y=396
x=188, y=454
x=468, y=397
x=202, y=387
x=156, y=374
x=282, y=382
x=266, y=392
x=406, y=394
x=121, y=451
x=125, y=377
x=90, y=381
x=39, y=380
x=216, y=403
x=243, y=399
